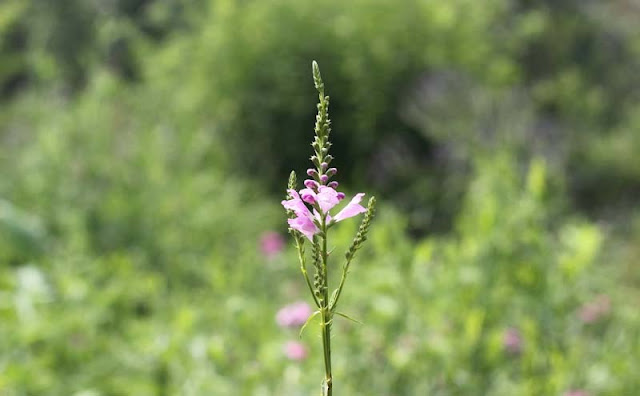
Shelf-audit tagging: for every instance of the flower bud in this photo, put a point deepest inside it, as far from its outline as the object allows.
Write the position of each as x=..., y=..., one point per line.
x=333, y=184
x=332, y=171
x=341, y=196
x=308, y=198
x=311, y=172
x=311, y=184
x=324, y=166
x=324, y=178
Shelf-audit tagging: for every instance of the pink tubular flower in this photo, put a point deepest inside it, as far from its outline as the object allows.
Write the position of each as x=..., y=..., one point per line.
x=304, y=220
x=293, y=315
x=353, y=208
x=295, y=350
x=325, y=199
x=305, y=225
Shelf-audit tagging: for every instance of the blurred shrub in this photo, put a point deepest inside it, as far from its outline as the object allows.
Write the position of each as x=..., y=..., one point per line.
x=61, y=43
x=496, y=307
x=244, y=71
x=239, y=69
x=247, y=70
x=21, y=235
x=104, y=178
x=148, y=248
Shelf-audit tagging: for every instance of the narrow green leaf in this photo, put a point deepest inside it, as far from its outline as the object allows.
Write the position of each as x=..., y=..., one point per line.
x=307, y=322
x=349, y=317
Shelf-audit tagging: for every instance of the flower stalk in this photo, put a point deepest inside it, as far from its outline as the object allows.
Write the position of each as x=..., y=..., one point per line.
x=310, y=219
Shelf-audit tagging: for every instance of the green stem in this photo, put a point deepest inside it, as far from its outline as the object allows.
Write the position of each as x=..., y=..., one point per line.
x=326, y=317
x=303, y=268
x=326, y=344
x=345, y=270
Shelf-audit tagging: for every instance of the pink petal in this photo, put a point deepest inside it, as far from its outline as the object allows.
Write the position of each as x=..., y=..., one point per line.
x=353, y=208
x=305, y=225
x=327, y=198
x=296, y=204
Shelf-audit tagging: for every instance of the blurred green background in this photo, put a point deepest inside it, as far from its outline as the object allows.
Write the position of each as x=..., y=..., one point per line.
x=146, y=145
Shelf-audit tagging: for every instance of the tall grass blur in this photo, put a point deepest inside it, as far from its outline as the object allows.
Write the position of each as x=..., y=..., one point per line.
x=145, y=149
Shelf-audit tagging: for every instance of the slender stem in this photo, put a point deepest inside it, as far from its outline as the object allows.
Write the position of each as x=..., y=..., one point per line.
x=326, y=344
x=326, y=317
x=303, y=268
x=345, y=270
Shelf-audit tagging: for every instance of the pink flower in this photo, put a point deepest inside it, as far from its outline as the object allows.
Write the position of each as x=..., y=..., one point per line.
x=304, y=220
x=295, y=350
x=271, y=243
x=305, y=225
x=296, y=204
x=576, y=392
x=512, y=341
x=593, y=311
x=293, y=315
x=325, y=199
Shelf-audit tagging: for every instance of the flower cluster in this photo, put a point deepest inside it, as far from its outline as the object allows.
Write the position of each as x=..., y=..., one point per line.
x=321, y=198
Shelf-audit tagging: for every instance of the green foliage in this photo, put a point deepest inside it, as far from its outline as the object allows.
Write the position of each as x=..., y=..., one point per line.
x=444, y=308
x=258, y=91
x=185, y=305
x=60, y=43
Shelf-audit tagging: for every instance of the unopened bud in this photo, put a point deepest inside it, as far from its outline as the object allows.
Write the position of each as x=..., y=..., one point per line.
x=333, y=184
x=311, y=172
x=311, y=184
x=324, y=178
x=332, y=171
x=324, y=166
x=341, y=196
x=308, y=198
